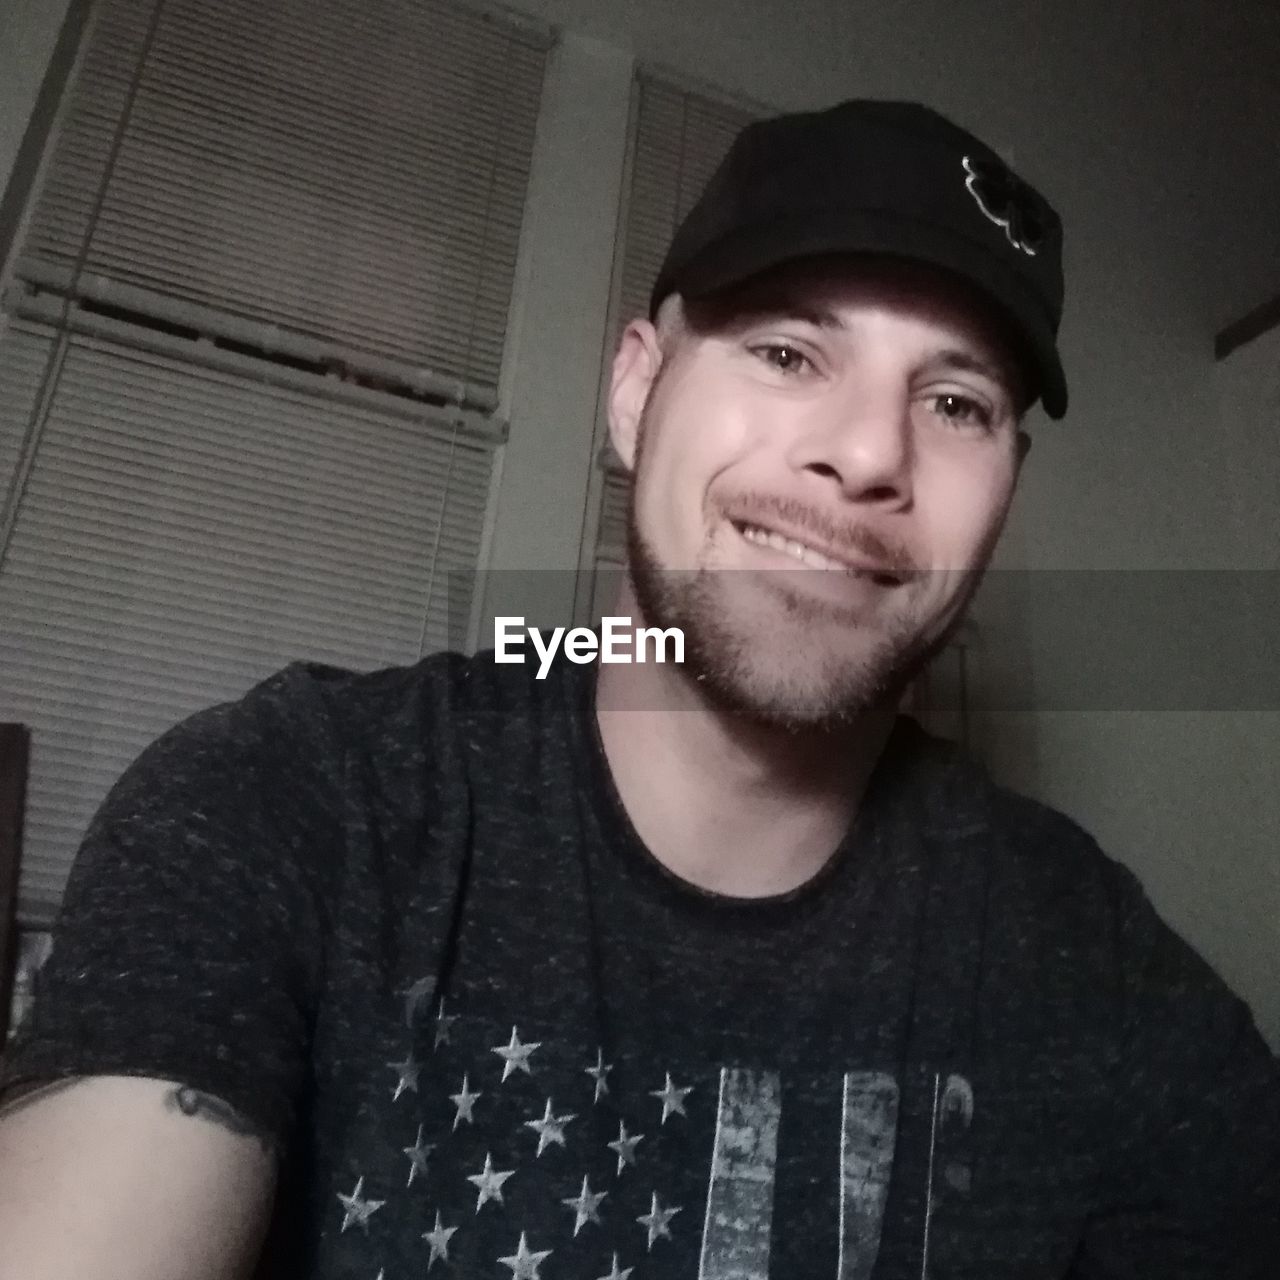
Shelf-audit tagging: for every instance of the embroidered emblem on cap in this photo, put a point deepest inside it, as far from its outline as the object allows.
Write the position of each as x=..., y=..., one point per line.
x=1007, y=201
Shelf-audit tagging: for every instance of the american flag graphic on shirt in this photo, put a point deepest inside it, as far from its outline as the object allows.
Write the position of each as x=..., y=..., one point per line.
x=515, y=1155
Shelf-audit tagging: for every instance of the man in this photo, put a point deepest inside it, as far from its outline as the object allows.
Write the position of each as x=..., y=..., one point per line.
x=713, y=969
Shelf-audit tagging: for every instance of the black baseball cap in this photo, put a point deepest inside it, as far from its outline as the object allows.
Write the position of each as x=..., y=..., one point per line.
x=885, y=178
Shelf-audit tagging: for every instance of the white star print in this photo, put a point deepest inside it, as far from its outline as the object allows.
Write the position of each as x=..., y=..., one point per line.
x=672, y=1098
x=616, y=1272
x=524, y=1263
x=438, y=1239
x=550, y=1129
x=489, y=1183
x=415, y=997
x=598, y=1073
x=444, y=1022
x=625, y=1146
x=464, y=1101
x=357, y=1208
x=516, y=1055
x=418, y=1154
x=657, y=1220
x=409, y=1071
x=586, y=1206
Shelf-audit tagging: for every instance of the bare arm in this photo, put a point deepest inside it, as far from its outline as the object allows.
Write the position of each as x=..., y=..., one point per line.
x=113, y=1177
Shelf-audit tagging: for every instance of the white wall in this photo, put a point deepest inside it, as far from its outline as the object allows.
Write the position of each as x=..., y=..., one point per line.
x=1149, y=125
x=1248, y=386
x=559, y=314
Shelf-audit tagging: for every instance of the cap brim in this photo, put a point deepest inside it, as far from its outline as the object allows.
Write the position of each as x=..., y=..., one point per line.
x=757, y=249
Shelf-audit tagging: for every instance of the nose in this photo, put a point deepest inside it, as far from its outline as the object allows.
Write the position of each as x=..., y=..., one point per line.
x=861, y=441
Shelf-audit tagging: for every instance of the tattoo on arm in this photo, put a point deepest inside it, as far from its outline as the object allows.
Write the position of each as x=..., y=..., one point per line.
x=191, y=1102
x=23, y=1096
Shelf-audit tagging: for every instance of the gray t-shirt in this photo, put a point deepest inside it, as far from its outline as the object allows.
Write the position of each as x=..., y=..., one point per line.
x=402, y=921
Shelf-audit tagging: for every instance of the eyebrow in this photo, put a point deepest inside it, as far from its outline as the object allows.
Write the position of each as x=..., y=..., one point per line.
x=967, y=362
x=819, y=317
x=769, y=310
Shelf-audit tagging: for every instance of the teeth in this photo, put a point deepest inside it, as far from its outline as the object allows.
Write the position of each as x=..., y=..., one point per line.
x=789, y=546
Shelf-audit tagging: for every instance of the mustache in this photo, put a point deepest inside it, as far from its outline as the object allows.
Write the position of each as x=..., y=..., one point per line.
x=855, y=538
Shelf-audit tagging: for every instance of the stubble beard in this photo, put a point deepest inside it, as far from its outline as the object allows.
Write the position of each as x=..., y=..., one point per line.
x=799, y=664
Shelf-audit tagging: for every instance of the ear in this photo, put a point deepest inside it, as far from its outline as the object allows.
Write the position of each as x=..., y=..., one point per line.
x=635, y=368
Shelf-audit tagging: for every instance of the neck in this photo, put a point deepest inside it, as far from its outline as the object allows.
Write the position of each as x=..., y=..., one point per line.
x=730, y=806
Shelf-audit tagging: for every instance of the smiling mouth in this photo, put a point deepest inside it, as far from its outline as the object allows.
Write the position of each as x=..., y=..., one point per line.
x=811, y=557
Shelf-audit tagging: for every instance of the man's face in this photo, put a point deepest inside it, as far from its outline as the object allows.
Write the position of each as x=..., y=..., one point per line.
x=821, y=471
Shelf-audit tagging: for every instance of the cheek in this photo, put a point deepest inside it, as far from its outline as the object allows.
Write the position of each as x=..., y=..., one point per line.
x=668, y=495
x=962, y=512
x=681, y=459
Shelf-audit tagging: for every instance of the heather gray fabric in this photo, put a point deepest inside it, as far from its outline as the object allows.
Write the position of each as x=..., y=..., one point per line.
x=402, y=921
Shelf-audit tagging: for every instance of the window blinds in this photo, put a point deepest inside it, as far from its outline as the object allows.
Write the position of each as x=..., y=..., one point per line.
x=678, y=137
x=351, y=172
x=187, y=531
x=249, y=366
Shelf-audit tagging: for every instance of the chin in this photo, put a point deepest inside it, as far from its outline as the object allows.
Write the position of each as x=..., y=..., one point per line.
x=795, y=682
x=794, y=667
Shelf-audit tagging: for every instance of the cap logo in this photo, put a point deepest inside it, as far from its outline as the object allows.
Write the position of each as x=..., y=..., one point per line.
x=1007, y=201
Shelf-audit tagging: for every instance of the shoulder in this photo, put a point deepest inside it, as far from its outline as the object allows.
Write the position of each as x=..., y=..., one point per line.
x=1053, y=901
x=297, y=745
x=1051, y=861
x=1066, y=919
x=407, y=740
x=284, y=784
x=329, y=707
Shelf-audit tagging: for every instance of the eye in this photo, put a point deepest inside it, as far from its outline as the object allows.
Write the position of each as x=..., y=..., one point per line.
x=962, y=411
x=783, y=356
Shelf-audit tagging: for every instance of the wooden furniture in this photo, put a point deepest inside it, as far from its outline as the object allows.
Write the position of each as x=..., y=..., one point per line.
x=15, y=746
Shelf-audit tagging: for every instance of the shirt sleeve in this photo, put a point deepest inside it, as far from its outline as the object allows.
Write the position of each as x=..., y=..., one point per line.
x=1193, y=1190
x=189, y=940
